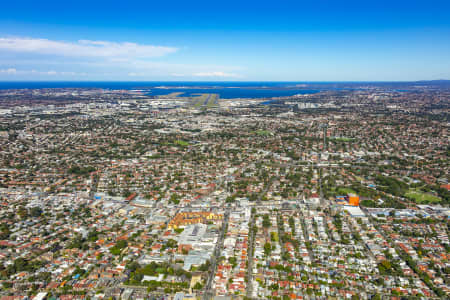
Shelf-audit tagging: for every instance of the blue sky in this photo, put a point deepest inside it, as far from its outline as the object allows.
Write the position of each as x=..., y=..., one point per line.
x=225, y=40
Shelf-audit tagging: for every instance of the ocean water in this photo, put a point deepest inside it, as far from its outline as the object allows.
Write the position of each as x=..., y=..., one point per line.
x=227, y=90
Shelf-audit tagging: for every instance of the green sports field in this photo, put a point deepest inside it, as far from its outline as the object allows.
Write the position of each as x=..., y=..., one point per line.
x=421, y=197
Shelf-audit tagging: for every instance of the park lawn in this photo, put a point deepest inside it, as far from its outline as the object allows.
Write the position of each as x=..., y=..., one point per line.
x=263, y=132
x=345, y=191
x=342, y=139
x=421, y=197
x=274, y=236
x=182, y=143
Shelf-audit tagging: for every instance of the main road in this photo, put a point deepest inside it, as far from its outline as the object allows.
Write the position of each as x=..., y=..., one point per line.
x=209, y=294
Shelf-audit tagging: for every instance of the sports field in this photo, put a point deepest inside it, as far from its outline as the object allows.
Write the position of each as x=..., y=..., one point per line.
x=421, y=197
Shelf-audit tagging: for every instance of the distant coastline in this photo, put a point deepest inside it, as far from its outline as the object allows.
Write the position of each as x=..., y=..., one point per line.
x=226, y=89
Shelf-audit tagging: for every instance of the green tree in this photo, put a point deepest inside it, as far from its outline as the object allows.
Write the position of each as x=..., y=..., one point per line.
x=198, y=286
x=267, y=249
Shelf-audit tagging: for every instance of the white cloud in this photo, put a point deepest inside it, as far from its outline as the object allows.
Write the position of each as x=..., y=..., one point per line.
x=12, y=71
x=99, y=60
x=8, y=71
x=177, y=75
x=134, y=74
x=84, y=48
x=216, y=74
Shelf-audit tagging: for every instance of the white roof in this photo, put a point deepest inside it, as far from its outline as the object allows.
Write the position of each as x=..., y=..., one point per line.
x=354, y=211
x=40, y=296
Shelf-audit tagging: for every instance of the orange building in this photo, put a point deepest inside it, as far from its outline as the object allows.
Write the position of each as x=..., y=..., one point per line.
x=187, y=218
x=353, y=199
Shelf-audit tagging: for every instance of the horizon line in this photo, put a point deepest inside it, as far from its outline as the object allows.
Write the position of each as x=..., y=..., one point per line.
x=237, y=81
